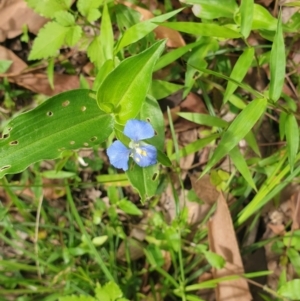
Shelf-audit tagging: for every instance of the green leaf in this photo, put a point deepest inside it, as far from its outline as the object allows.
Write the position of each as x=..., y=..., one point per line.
x=213, y=9
x=214, y=259
x=144, y=180
x=99, y=240
x=175, y=54
x=106, y=35
x=203, y=29
x=67, y=121
x=140, y=30
x=195, y=146
x=292, y=138
x=241, y=165
x=204, y=119
x=294, y=258
x=152, y=113
x=237, y=130
x=246, y=10
x=113, y=290
x=89, y=9
x=277, y=63
x=290, y=289
x=105, y=69
x=48, y=8
x=262, y=19
x=50, y=38
x=239, y=71
x=4, y=65
x=73, y=35
x=129, y=208
x=65, y=18
x=161, y=89
x=53, y=174
x=124, y=90
x=282, y=125
x=95, y=52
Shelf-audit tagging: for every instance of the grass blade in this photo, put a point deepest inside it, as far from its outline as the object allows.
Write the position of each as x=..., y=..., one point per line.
x=246, y=9
x=277, y=63
x=237, y=130
x=292, y=138
x=239, y=71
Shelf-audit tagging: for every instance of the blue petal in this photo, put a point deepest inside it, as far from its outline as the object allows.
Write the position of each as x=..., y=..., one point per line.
x=138, y=130
x=118, y=155
x=144, y=155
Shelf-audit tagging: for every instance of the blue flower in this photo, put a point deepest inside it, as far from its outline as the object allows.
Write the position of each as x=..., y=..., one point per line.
x=142, y=153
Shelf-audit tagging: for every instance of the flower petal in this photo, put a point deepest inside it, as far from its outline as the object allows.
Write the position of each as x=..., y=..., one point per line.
x=118, y=155
x=144, y=155
x=138, y=130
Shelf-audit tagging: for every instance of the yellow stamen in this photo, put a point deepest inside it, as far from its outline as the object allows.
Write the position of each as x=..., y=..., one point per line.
x=141, y=152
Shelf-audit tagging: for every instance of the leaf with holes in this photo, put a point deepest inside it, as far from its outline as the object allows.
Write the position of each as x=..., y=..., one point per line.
x=67, y=121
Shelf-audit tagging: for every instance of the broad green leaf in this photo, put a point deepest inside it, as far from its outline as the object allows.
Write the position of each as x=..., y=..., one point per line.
x=214, y=259
x=73, y=35
x=290, y=289
x=152, y=113
x=129, y=207
x=105, y=69
x=106, y=35
x=246, y=10
x=262, y=19
x=213, y=9
x=89, y=9
x=124, y=89
x=173, y=55
x=4, y=65
x=48, y=8
x=67, y=121
x=203, y=29
x=277, y=63
x=65, y=18
x=239, y=71
x=292, y=138
x=140, y=30
x=241, y=165
x=50, y=38
x=144, y=180
x=204, y=119
x=161, y=89
x=237, y=130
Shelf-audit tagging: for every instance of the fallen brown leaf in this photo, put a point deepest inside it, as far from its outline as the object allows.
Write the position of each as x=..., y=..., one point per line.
x=13, y=15
x=174, y=38
x=38, y=83
x=222, y=240
x=17, y=65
